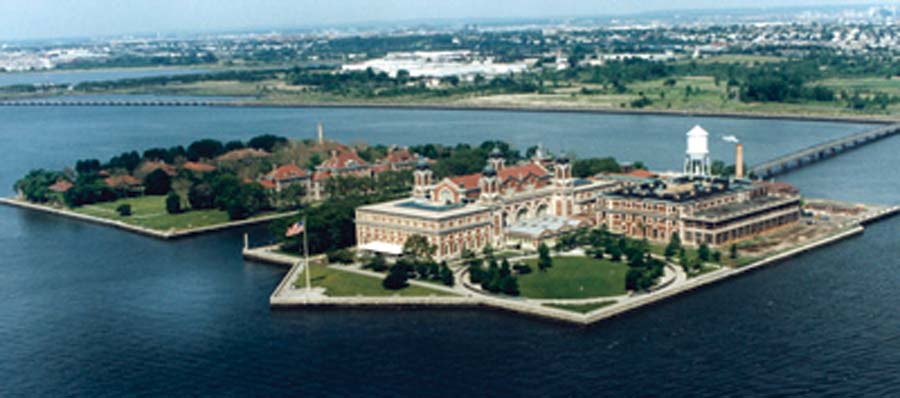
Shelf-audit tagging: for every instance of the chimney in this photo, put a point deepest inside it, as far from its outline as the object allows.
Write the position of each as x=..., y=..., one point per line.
x=739, y=160
x=321, y=131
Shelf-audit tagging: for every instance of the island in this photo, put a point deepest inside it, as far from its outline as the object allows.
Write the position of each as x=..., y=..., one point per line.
x=548, y=236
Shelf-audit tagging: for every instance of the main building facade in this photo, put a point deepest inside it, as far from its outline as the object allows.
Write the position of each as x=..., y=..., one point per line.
x=536, y=201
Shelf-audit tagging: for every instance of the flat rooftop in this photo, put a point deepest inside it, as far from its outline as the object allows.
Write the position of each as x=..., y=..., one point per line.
x=737, y=208
x=423, y=209
x=681, y=189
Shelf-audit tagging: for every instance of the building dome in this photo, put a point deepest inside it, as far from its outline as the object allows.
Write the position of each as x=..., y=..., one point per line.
x=495, y=153
x=422, y=164
x=489, y=171
x=562, y=159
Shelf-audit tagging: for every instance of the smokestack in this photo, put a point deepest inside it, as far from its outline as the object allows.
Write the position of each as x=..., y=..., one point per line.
x=321, y=130
x=739, y=160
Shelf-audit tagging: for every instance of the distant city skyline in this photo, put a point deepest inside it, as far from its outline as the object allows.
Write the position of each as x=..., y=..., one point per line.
x=43, y=19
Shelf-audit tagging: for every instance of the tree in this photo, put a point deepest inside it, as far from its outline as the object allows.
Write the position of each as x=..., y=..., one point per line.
x=233, y=146
x=446, y=274
x=377, y=264
x=510, y=285
x=673, y=246
x=632, y=279
x=488, y=251
x=248, y=200
x=544, y=260
x=733, y=251
x=703, y=252
x=34, y=186
x=157, y=183
x=204, y=149
x=173, y=203
x=201, y=196
x=124, y=210
x=266, y=142
x=396, y=277
x=717, y=256
x=418, y=248
x=87, y=166
x=615, y=253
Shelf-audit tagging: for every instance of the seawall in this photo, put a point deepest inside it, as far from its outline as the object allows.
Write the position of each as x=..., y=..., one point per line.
x=471, y=299
x=155, y=233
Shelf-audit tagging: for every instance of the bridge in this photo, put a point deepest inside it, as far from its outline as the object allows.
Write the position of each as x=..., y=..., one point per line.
x=76, y=102
x=815, y=153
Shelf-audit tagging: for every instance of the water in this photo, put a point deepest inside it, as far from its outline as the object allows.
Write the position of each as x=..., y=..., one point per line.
x=92, y=311
x=87, y=75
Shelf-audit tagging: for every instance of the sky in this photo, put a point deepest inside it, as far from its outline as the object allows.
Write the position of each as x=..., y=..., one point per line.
x=41, y=19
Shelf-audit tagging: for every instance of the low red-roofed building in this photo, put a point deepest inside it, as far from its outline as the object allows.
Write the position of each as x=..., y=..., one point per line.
x=198, y=167
x=285, y=175
x=124, y=182
x=61, y=186
x=640, y=173
x=150, y=166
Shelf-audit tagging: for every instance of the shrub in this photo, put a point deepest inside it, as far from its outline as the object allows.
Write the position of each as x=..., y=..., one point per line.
x=201, y=196
x=522, y=268
x=341, y=256
x=173, y=203
x=377, y=264
x=124, y=210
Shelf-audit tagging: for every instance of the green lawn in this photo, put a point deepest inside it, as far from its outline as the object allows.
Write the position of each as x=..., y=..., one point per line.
x=342, y=283
x=574, y=277
x=581, y=308
x=150, y=212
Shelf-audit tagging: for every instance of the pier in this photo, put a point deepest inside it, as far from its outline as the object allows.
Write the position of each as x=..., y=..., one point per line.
x=815, y=153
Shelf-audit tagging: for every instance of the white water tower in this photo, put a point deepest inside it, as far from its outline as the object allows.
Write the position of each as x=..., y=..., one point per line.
x=696, y=160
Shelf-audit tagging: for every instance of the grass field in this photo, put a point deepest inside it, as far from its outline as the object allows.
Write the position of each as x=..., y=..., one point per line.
x=341, y=284
x=581, y=308
x=574, y=277
x=150, y=212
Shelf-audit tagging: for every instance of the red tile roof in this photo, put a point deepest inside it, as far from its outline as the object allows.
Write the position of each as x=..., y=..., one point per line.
x=401, y=155
x=122, y=181
x=640, y=173
x=521, y=171
x=381, y=167
x=198, y=167
x=286, y=172
x=61, y=186
x=150, y=166
x=468, y=181
x=509, y=176
x=342, y=159
x=321, y=175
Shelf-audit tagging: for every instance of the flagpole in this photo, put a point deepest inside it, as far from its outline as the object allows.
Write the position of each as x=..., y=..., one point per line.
x=306, y=253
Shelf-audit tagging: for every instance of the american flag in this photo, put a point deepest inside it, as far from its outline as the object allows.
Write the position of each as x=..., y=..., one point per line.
x=295, y=229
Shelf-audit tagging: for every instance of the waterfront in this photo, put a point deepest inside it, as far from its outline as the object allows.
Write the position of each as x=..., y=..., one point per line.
x=87, y=75
x=89, y=310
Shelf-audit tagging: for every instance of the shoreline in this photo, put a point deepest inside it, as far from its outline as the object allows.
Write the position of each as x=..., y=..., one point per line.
x=865, y=119
x=280, y=300
x=50, y=101
x=155, y=233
